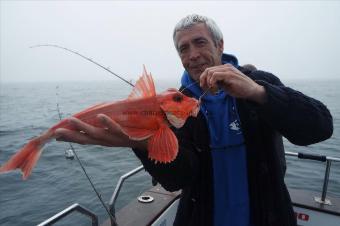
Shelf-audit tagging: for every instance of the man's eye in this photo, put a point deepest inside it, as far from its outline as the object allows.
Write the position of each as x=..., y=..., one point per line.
x=201, y=42
x=182, y=49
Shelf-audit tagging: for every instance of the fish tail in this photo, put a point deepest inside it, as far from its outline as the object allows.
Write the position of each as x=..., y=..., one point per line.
x=27, y=157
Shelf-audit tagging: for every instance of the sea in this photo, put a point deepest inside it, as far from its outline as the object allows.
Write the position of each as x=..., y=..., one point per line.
x=28, y=109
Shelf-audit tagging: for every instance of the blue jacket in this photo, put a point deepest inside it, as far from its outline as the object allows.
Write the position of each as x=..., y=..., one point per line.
x=230, y=180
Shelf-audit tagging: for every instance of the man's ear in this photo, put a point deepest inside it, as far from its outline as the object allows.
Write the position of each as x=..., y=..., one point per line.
x=220, y=45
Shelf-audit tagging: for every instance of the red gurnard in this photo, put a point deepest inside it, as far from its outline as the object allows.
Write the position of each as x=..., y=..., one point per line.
x=143, y=115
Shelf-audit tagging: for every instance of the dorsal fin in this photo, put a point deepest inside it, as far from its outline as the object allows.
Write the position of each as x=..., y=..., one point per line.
x=144, y=86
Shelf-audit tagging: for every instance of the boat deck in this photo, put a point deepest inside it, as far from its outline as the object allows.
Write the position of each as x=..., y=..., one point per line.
x=138, y=213
x=305, y=199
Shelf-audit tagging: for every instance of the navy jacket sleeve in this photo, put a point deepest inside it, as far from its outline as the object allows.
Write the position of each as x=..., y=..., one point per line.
x=301, y=119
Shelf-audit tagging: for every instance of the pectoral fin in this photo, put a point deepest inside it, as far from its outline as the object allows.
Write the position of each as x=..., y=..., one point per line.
x=163, y=145
x=137, y=134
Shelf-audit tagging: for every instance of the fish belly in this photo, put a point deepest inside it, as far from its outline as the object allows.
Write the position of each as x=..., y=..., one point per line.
x=143, y=113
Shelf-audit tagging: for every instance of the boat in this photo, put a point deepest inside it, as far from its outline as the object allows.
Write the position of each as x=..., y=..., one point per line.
x=157, y=207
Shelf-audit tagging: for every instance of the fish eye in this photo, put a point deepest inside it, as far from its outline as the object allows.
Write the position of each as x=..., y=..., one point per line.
x=177, y=97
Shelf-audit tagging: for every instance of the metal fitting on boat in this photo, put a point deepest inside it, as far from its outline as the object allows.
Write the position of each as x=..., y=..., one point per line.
x=145, y=198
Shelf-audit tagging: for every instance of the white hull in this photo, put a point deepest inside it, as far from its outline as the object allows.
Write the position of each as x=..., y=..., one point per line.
x=306, y=217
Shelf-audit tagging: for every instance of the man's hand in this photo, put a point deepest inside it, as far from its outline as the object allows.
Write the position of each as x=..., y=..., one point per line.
x=234, y=82
x=111, y=135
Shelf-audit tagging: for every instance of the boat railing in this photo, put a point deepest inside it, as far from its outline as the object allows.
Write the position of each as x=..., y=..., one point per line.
x=320, y=158
x=119, y=186
x=73, y=208
x=78, y=208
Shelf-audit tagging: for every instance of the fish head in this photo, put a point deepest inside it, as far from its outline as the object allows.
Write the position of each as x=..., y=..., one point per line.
x=177, y=106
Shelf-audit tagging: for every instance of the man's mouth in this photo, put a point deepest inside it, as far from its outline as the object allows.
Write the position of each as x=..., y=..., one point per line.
x=197, y=67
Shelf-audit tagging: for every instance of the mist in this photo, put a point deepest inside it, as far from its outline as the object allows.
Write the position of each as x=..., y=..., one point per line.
x=291, y=39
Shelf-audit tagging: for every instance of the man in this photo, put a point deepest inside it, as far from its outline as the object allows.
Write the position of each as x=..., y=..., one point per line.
x=230, y=165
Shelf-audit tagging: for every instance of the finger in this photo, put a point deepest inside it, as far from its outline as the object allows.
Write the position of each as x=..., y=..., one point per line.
x=215, y=77
x=220, y=80
x=213, y=87
x=228, y=65
x=109, y=123
x=81, y=126
x=74, y=137
x=203, y=79
x=212, y=71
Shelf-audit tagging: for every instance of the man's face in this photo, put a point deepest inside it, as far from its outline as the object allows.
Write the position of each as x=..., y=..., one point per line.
x=197, y=50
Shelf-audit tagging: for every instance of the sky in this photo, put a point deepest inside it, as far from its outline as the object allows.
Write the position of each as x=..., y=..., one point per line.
x=291, y=39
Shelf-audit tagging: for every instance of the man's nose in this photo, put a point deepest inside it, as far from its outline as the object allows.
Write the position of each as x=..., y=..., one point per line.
x=194, y=54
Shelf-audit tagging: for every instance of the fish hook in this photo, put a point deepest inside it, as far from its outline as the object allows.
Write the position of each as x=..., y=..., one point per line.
x=202, y=95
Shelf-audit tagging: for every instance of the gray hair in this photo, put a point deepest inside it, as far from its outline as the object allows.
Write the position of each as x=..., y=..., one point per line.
x=193, y=19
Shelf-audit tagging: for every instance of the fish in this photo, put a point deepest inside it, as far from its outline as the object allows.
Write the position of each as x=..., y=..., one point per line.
x=143, y=115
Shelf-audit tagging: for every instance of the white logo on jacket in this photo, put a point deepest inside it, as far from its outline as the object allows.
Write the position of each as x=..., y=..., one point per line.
x=234, y=126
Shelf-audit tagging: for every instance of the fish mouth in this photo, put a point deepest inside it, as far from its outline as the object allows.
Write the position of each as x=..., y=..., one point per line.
x=176, y=122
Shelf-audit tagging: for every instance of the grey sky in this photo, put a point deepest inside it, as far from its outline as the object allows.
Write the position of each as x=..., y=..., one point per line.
x=292, y=39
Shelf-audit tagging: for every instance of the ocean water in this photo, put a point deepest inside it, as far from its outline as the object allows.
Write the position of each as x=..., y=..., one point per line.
x=28, y=109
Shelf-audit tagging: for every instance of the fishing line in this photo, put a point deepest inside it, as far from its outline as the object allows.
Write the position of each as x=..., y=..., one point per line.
x=191, y=84
x=98, y=64
x=112, y=218
x=86, y=58
x=202, y=95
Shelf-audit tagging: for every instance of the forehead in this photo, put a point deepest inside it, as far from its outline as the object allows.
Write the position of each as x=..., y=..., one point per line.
x=192, y=33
